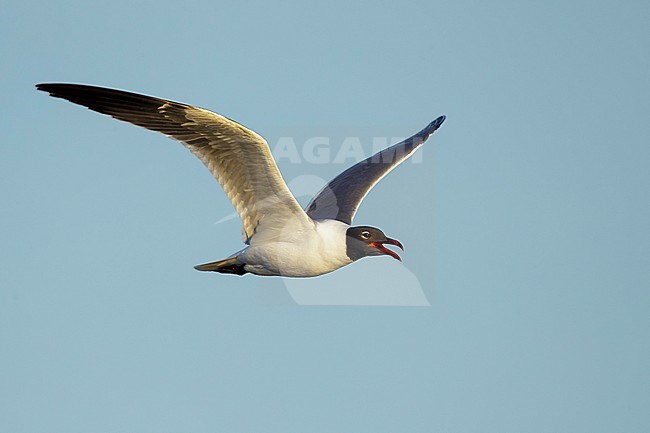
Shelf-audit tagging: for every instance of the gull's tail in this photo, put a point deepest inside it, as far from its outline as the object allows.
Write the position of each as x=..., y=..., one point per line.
x=226, y=266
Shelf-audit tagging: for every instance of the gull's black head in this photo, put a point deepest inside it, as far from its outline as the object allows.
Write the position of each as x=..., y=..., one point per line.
x=363, y=241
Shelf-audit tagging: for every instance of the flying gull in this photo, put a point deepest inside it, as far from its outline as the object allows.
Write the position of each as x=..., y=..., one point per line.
x=281, y=238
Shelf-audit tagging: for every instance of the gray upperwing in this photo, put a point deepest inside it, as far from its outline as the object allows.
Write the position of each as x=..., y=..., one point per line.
x=340, y=198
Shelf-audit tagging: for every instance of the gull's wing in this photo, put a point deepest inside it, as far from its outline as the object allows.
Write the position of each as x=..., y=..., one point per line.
x=341, y=198
x=239, y=159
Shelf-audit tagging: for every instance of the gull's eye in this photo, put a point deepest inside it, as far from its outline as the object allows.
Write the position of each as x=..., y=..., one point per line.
x=365, y=234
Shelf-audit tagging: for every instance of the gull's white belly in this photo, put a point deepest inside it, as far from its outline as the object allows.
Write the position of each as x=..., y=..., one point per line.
x=311, y=253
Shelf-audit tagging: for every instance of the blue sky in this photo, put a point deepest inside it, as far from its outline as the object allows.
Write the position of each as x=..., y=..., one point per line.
x=525, y=221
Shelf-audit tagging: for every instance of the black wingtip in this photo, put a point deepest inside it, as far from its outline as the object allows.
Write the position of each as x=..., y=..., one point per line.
x=52, y=88
x=436, y=123
x=45, y=87
x=431, y=128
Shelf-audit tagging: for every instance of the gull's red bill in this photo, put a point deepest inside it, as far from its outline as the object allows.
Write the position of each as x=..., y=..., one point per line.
x=380, y=246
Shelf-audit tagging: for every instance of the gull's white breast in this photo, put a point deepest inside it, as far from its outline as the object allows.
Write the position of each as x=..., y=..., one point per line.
x=307, y=252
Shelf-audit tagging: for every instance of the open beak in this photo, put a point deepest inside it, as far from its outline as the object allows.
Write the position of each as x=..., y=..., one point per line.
x=380, y=246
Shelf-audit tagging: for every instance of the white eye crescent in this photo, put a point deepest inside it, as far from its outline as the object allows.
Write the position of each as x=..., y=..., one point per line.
x=365, y=234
